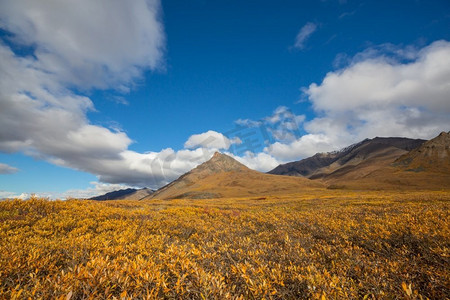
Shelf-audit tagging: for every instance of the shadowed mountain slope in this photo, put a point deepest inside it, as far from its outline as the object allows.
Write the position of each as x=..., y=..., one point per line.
x=126, y=194
x=366, y=155
x=223, y=176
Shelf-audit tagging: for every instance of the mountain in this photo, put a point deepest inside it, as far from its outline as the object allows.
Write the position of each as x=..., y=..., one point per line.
x=223, y=176
x=434, y=155
x=125, y=194
x=310, y=165
x=425, y=167
x=365, y=156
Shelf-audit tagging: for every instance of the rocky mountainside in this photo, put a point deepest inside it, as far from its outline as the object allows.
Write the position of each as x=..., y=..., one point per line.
x=434, y=155
x=223, y=176
x=378, y=151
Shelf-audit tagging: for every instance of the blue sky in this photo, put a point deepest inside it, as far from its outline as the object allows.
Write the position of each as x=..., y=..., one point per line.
x=99, y=96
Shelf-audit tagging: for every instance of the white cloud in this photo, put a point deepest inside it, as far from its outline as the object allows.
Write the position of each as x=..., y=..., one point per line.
x=7, y=195
x=7, y=169
x=379, y=97
x=248, y=123
x=347, y=14
x=88, y=43
x=21, y=196
x=152, y=169
x=26, y=196
x=261, y=161
x=304, y=33
x=305, y=146
x=283, y=124
x=210, y=139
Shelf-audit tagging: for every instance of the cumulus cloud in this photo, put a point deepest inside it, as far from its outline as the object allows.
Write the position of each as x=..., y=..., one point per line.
x=210, y=139
x=305, y=32
x=7, y=169
x=379, y=97
x=152, y=169
x=88, y=43
x=305, y=146
x=51, y=51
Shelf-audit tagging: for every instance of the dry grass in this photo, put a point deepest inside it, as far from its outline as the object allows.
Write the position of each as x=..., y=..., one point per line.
x=320, y=245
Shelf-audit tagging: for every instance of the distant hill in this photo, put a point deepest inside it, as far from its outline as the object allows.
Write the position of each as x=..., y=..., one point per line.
x=223, y=176
x=364, y=156
x=125, y=194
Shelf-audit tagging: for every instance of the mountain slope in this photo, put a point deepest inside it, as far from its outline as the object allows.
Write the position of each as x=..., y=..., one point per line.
x=434, y=155
x=125, y=194
x=367, y=154
x=223, y=176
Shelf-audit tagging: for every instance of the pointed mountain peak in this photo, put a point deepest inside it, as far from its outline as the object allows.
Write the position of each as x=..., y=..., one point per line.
x=442, y=140
x=217, y=154
x=443, y=136
x=220, y=162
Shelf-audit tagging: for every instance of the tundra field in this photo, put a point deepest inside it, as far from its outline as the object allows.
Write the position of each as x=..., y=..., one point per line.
x=321, y=244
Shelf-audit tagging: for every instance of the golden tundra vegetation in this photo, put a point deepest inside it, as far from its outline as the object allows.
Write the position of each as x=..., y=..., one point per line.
x=320, y=244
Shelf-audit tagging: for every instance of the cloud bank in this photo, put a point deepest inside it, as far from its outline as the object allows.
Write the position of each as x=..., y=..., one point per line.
x=51, y=53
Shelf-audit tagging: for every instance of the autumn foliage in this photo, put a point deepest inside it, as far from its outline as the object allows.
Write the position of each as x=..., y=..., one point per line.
x=319, y=245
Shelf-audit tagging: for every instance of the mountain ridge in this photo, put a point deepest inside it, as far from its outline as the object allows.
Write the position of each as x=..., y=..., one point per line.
x=378, y=163
x=321, y=164
x=424, y=167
